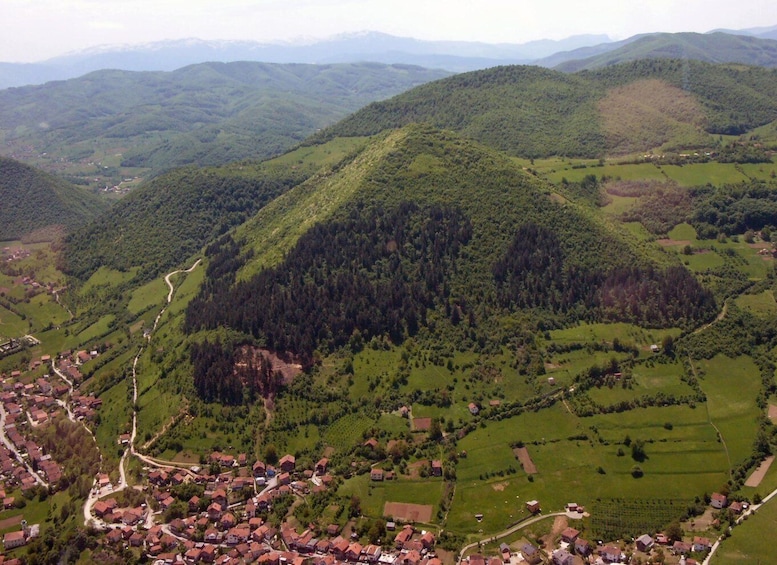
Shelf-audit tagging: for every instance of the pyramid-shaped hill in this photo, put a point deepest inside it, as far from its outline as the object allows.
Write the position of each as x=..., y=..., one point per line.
x=425, y=225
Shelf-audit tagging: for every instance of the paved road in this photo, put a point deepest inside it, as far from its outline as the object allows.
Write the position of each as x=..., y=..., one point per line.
x=509, y=531
x=751, y=510
x=12, y=449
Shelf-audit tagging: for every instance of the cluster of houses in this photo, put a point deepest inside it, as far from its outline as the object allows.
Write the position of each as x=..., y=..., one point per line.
x=15, y=253
x=68, y=363
x=26, y=406
x=225, y=524
x=571, y=544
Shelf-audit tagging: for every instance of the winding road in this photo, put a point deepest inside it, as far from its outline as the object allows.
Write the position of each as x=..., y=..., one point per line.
x=511, y=530
x=95, y=495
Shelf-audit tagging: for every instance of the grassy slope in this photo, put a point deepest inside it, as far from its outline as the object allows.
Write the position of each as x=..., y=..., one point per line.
x=427, y=166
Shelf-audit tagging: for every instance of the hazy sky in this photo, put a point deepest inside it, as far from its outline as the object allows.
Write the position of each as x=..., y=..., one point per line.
x=33, y=30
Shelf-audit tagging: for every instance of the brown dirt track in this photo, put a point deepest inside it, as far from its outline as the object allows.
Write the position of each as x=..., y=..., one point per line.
x=523, y=456
x=406, y=512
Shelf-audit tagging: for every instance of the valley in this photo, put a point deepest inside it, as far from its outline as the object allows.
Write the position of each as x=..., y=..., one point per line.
x=415, y=339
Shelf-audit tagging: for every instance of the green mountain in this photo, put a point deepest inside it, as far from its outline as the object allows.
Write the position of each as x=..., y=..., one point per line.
x=39, y=206
x=535, y=112
x=424, y=225
x=175, y=214
x=205, y=114
x=706, y=47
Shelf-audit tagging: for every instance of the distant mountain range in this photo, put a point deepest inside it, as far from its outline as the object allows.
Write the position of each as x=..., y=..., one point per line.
x=715, y=47
x=455, y=56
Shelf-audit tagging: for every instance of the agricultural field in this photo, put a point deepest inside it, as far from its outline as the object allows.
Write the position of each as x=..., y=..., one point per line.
x=618, y=518
x=731, y=386
x=750, y=542
x=762, y=305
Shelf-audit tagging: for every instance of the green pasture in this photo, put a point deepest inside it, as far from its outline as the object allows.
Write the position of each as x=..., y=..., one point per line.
x=731, y=386
x=752, y=541
x=760, y=171
x=395, y=425
x=105, y=276
x=100, y=328
x=373, y=495
x=749, y=262
x=606, y=333
x=11, y=325
x=617, y=205
x=762, y=305
x=697, y=174
x=150, y=294
x=42, y=311
x=646, y=379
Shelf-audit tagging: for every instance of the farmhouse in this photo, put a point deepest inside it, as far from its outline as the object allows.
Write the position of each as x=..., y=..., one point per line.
x=644, y=543
x=287, y=463
x=718, y=500
x=570, y=535
x=563, y=557
x=14, y=539
x=531, y=554
x=533, y=506
x=701, y=544
x=611, y=554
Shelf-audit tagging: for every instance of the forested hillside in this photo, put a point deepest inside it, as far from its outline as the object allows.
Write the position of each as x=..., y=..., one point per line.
x=706, y=47
x=172, y=217
x=31, y=200
x=205, y=114
x=436, y=224
x=534, y=112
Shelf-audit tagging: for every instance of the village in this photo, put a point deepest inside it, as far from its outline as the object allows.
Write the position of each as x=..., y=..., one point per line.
x=220, y=512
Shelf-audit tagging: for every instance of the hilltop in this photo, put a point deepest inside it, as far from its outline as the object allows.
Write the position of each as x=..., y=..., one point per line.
x=707, y=47
x=38, y=206
x=533, y=112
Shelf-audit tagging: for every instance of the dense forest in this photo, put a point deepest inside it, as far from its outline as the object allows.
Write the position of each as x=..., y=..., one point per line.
x=172, y=217
x=32, y=200
x=376, y=273
x=534, y=274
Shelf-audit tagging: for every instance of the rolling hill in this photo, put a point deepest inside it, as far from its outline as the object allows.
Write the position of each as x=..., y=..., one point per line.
x=706, y=47
x=36, y=206
x=206, y=114
x=535, y=112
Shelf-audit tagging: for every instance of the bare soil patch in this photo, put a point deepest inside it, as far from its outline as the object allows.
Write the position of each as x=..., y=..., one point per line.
x=773, y=412
x=522, y=454
x=12, y=521
x=499, y=487
x=560, y=524
x=666, y=242
x=758, y=475
x=414, y=469
x=406, y=512
x=422, y=424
